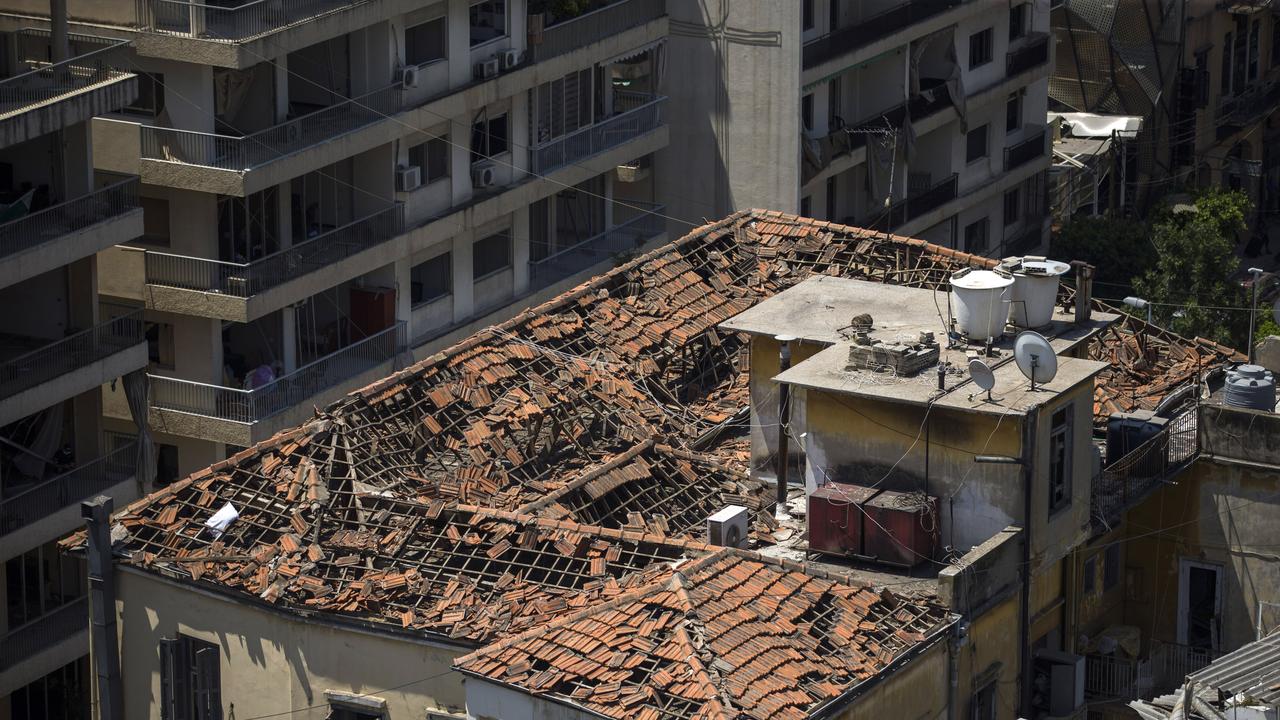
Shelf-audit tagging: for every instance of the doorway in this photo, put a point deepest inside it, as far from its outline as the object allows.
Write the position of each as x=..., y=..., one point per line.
x=1199, y=604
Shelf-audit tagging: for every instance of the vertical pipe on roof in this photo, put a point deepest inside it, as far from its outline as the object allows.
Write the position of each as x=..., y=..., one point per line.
x=105, y=644
x=784, y=423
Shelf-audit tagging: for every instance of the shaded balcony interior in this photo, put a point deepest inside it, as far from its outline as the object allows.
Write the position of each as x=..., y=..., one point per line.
x=38, y=582
x=230, y=20
x=35, y=71
x=833, y=28
x=63, y=694
x=568, y=26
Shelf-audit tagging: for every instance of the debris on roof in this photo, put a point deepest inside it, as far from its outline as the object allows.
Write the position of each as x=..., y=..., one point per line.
x=1248, y=677
x=727, y=635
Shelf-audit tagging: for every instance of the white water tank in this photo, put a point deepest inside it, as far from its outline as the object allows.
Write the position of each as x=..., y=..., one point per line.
x=1035, y=289
x=981, y=299
x=1251, y=386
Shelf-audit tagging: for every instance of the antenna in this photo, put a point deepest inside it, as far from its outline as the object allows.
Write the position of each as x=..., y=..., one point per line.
x=982, y=376
x=1035, y=358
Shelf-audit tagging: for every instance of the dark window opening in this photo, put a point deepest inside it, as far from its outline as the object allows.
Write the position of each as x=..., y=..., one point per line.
x=975, y=237
x=1013, y=113
x=432, y=279
x=426, y=43
x=980, y=48
x=976, y=144
x=487, y=21
x=432, y=157
x=490, y=255
x=1060, y=460
x=190, y=680
x=488, y=138
x=1017, y=21
x=150, y=101
x=1012, y=208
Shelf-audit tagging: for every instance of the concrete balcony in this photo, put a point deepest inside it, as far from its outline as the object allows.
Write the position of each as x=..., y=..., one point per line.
x=240, y=36
x=1021, y=153
x=569, y=34
x=246, y=291
x=31, y=651
x=625, y=237
x=241, y=165
x=48, y=509
x=1031, y=52
x=49, y=97
x=71, y=230
x=58, y=370
x=644, y=116
x=244, y=417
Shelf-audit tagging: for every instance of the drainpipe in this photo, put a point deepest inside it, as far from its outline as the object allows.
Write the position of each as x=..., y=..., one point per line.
x=58, y=30
x=784, y=423
x=1028, y=480
x=102, y=607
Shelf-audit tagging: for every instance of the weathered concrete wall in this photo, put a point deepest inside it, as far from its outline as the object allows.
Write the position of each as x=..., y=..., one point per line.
x=1239, y=434
x=917, y=689
x=271, y=662
x=490, y=700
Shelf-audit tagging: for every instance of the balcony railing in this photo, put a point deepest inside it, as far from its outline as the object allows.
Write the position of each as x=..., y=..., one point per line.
x=608, y=133
x=864, y=32
x=1034, y=53
x=221, y=22
x=912, y=207
x=250, y=406
x=1108, y=677
x=26, y=640
x=56, y=493
x=1126, y=481
x=248, y=279
x=62, y=356
x=1020, y=154
x=621, y=238
x=53, y=222
x=50, y=81
x=576, y=32
x=245, y=152
x=1234, y=112
x=843, y=139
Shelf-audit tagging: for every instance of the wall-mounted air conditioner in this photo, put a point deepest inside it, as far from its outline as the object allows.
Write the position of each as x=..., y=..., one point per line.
x=408, y=178
x=409, y=77
x=511, y=58
x=487, y=69
x=482, y=175
x=729, y=527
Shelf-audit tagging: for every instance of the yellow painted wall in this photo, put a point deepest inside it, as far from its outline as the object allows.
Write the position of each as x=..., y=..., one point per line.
x=273, y=663
x=993, y=642
x=916, y=691
x=764, y=397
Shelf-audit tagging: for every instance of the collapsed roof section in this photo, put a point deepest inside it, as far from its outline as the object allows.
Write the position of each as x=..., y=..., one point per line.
x=729, y=635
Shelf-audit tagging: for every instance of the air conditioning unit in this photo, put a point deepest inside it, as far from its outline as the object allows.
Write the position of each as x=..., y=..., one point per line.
x=511, y=58
x=1059, y=680
x=408, y=178
x=409, y=77
x=482, y=175
x=729, y=527
x=487, y=69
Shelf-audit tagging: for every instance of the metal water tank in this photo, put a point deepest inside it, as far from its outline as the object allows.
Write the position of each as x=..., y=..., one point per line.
x=1251, y=386
x=981, y=299
x=1035, y=289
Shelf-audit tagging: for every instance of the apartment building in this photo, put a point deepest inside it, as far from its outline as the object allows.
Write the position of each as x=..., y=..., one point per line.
x=923, y=118
x=59, y=345
x=332, y=188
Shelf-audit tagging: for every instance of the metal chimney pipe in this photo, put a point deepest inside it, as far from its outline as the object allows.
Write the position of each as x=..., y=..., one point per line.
x=1084, y=290
x=58, y=30
x=102, y=607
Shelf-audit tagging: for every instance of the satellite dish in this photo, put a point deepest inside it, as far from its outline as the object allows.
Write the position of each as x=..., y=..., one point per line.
x=982, y=375
x=1035, y=358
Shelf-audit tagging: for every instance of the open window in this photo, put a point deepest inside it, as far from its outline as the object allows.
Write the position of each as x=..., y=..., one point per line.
x=190, y=680
x=1060, y=460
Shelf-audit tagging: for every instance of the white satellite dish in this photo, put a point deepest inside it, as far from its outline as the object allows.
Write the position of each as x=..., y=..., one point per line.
x=1035, y=358
x=982, y=375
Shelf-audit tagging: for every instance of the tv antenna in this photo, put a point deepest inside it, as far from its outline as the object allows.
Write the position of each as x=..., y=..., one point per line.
x=1035, y=358
x=982, y=376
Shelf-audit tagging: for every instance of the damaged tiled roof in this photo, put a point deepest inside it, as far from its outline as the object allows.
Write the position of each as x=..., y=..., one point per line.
x=730, y=635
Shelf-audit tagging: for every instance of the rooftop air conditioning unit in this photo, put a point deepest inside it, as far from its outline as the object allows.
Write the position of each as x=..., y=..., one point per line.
x=511, y=58
x=482, y=175
x=729, y=527
x=487, y=69
x=408, y=178
x=409, y=77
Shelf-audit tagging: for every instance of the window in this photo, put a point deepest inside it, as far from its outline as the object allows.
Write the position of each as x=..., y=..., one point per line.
x=1254, y=32
x=831, y=198
x=345, y=706
x=1225, y=80
x=488, y=21
x=433, y=157
x=1012, y=210
x=1111, y=566
x=190, y=680
x=150, y=100
x=1060, y=460
x=1013, y=113
x=980, y=48
x=806, y=207
x=338, y=712
x=976, y=144
x=982, y=706
x=426, y=43
x=1202, y=77
x=159, y=343
x=834, y=121
x=975, y=237
x=488, y=138
x=806, y=111
x=806, y=18
x=490, y=255
x=431, y=279
x=1017, y=21
x=1089, y=581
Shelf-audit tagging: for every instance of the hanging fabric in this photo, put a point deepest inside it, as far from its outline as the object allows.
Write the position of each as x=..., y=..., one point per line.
x=136, y=389
x=955, y=85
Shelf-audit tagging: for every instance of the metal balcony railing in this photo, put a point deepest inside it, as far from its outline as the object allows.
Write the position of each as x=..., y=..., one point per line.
x=623, y=237
x=569, y=34
x=222, y=21
x=49, y=81
x=912, y=207
x=1033, y=53
x=229, y=152
x=843, y=139
x=55, y=626
x=1236, y=111
x=250, y=406
x=248, y=279
x=75, y=351
x=608, y=133
x=1020, y=154
x=863, y=32
x=1126, y=481
x=1108, y=677
x=50, y=496
x=79, y=213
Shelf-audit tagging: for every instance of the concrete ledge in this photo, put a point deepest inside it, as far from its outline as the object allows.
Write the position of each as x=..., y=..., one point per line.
x=70, y=247
x=46, y=660
x=68, y=385
x=67, y=110
x=63, y=521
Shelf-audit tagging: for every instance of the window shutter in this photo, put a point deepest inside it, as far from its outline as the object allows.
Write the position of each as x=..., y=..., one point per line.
x=208, y=690
x=175, y=679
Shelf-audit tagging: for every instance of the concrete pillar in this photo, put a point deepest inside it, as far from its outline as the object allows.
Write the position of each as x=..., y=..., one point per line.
x=288, y=338
x=463, y=282
x=373, y=172
x=82, y=293
x=403, y=284
x=608, y=198
x=284, y=209
x=459, y=41
x=520, y=250
x=87, y=417
x=519, y=134
x=197, y=343
x=460, y=160
x=281, y=65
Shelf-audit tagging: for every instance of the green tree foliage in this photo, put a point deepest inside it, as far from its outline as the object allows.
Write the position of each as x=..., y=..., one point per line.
x=1117, y=248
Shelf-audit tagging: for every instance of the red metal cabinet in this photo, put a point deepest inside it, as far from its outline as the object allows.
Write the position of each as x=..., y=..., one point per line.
x=900, y=528
x=835, y=518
